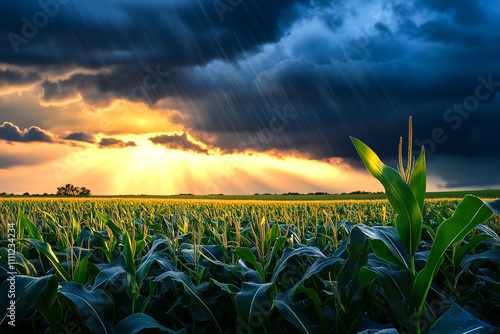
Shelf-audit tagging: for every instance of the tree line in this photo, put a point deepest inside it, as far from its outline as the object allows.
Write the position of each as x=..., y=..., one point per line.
x=66, y=190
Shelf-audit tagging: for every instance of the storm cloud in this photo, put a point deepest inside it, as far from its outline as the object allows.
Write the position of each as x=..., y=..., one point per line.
x=115, y=143
x=80, y=136
x=178, y=142
x=11, y=133
x=289, y=76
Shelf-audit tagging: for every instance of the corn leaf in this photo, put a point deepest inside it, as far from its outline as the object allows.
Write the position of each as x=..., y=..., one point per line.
x=399, y=194
x=470, y=212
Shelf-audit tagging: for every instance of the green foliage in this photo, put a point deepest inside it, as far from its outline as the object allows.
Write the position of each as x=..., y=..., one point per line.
x=143, y=265
x=405, y=291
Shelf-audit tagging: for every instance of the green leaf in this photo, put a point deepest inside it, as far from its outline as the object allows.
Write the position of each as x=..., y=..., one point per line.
x=458, y=321
x=95, y=308
x=397, y=287
x=316, y=268
x=295, y=313
x=470, y=212
x=75, y=228
x=138, y=322
x=128, y=253
x=24, y=222
x=418, y=180
x=278, y=244
x=246, y=254
x=399, y=194
x=109, y=223
x=27, y=291
x=23, y=266
x=289, y=253
x=45, y=249
x=386, y=245
x=474, y=240
x=231, y=289
x=254, y=301
x=350, y=300
x=197, y=306
x=313, y=295
x=48, y=304
x=81, y=269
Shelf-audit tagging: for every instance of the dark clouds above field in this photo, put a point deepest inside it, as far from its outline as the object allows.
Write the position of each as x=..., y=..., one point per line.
x=282, y=76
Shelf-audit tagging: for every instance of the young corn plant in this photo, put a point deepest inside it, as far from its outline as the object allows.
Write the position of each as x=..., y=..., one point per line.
x=406, y=290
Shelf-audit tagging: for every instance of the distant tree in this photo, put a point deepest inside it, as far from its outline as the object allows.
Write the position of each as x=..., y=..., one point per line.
x=71, y=190
x=84, y=192
x=26, y=194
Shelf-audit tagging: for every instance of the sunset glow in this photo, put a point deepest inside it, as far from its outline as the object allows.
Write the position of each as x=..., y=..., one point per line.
x=132, y=97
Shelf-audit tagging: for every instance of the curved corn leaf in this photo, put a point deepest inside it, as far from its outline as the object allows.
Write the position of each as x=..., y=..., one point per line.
x=81, y=269
x=246, y=254
x=295, y=313
x=109, y=223
x=24, y=222
x=387, y=245
x=489, y=231
x=45, y=249
x=28, y=291
x=316, y=268
x=95, y=308
x=197, y=306
x=250, y=275
x=313, y=296
x=278, y=244
x=397, y=287
x=23, y=266
x=470, y=212
x=138, y=322
x=460, y=252
x=254, y=301
x=458, y=321
x=398, y=193
x=128, y=253
x=289, y=253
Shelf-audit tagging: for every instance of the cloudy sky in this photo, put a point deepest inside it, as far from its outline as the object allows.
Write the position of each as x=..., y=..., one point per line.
x=245, y=96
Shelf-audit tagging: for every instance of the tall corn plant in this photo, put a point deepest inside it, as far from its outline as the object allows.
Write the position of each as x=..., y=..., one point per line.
x=405, y=191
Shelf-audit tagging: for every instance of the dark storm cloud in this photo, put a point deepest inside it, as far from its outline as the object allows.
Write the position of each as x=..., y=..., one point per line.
x=295, y=76
x=115, y=143
x=177, y=142
x=11, y=133
x=9, y=77
x=80, y=136
x=95, y=33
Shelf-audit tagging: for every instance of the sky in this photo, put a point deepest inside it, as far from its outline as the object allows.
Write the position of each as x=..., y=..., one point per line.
x=245, y=96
